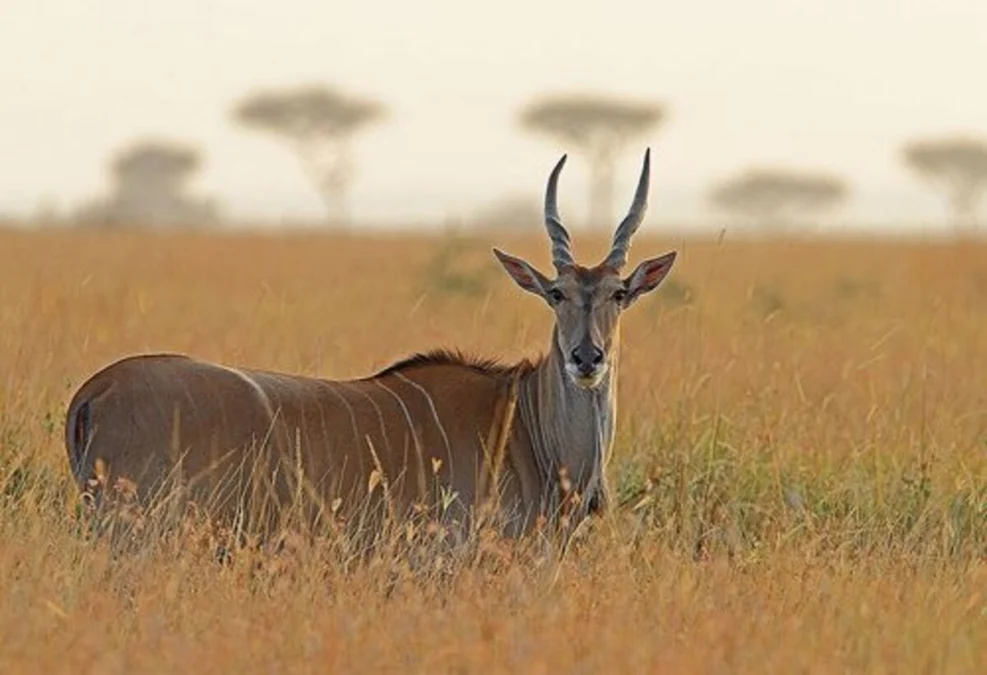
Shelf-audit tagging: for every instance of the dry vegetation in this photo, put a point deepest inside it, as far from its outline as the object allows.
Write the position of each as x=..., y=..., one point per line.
x=801, y=462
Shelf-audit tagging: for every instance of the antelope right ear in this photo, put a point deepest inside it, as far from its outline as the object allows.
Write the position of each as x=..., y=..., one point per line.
x=648, y=275
x=526, y=276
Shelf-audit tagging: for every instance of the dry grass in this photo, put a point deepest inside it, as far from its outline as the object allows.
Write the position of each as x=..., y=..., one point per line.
x=801, y=461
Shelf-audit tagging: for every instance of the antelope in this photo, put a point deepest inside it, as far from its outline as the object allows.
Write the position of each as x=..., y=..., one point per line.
x=533, y=436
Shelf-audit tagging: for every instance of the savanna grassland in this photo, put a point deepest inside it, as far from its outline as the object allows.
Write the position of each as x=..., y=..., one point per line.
x=801, y=461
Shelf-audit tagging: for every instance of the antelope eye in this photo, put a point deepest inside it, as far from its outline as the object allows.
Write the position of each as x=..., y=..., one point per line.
x=556, y=295
x=619, y=295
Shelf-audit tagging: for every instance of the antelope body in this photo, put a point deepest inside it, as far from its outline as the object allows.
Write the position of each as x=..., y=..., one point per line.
x=532, y=437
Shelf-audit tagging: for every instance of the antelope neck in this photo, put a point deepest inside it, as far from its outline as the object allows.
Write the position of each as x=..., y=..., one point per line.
x=571, y=428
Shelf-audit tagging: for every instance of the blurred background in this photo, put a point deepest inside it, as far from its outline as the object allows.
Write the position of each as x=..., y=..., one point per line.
x=764, y=116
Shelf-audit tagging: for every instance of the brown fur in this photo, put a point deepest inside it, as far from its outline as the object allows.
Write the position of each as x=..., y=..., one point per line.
x=454, y=357
x=256, y=445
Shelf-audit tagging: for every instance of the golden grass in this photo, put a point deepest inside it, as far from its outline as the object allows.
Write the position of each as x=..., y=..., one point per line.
x=801, y=461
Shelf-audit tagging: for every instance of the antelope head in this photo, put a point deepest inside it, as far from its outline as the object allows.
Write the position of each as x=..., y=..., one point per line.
x=588, y=301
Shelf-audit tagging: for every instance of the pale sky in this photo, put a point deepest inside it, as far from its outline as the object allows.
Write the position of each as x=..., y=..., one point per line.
x=827, y=84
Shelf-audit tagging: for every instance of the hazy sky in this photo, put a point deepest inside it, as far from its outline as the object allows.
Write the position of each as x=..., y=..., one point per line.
x=830, y=84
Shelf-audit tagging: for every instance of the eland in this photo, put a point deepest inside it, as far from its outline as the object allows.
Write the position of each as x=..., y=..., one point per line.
x=531, y=438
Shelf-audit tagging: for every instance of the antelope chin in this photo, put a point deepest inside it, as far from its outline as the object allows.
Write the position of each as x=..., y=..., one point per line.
x=591, y=381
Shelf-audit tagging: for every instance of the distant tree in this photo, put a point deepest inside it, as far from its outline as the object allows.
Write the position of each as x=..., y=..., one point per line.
x=598, y=127
x=959, y=165
x=319, y=124
x=775, y=197
x=150, y=182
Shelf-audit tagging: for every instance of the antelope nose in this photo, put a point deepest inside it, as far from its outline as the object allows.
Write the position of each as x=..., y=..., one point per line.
x=587, y=357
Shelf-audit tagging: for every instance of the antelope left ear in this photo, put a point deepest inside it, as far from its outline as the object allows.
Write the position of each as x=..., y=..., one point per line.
x=526, y=276
x=648, y=275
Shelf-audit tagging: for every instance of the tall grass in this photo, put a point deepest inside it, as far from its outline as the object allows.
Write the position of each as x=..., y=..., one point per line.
x=800, y=474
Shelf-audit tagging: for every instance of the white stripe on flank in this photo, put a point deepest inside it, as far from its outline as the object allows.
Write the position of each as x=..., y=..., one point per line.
x=331, y=387
x=435, y=413
x=414, y=438
x=407, y=415
x=380, y=415
x=253, y=384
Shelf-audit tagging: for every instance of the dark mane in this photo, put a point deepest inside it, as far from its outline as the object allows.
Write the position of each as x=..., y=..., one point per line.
x=450, y=357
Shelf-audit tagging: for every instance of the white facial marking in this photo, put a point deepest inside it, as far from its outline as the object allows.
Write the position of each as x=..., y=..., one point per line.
x=586, y=381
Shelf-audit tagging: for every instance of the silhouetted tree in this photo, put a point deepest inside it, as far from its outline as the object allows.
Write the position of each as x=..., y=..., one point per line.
x=774, y=197
x=598, y=127
x=318, y=123
x=150, y=181
x=959, y=165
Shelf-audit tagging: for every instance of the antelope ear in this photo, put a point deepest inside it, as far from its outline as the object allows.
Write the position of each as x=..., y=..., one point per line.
x=648, y=275
x=526, y=276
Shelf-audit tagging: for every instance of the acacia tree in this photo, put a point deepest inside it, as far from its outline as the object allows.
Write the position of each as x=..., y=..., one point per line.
x=319, y=124
x=774, y=197
x=598, y=127
x=957, y=164
x=150, y=187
